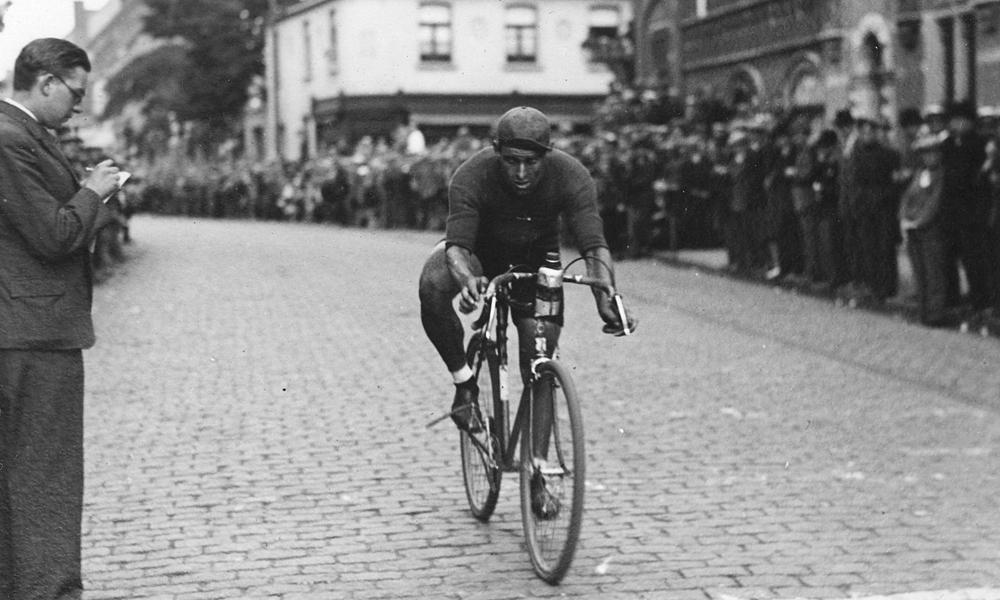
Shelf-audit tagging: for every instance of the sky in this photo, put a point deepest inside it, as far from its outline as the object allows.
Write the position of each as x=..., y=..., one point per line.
x=30, y=19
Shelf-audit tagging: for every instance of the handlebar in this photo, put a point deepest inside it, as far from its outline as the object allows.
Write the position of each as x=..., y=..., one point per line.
x=592, y=282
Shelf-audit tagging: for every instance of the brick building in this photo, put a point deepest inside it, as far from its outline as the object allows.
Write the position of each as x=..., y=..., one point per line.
x=822, y=55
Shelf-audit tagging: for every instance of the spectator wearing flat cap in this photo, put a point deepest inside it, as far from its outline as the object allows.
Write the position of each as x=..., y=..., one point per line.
x=964, y=206
x=919, y=217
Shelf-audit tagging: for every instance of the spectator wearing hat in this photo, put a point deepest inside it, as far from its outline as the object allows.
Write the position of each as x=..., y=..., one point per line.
x=642, y=170
x=816, y=196
x=935, y=119
x=844, y=124
x=780, y=224
x=919, y=217
x=964, y=206
x=746, y=172
x=870, y=208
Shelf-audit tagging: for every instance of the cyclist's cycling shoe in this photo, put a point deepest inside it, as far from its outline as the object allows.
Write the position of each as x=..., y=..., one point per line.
x=465, y=409
x=544, y=505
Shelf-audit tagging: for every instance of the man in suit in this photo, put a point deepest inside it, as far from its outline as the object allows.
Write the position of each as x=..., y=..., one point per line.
x=48, y=221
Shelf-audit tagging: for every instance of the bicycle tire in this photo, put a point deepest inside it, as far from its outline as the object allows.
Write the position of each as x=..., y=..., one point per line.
x=552, y=540
x=482, y=473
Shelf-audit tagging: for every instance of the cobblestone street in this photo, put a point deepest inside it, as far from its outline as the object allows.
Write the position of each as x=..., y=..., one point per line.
x=256, y=411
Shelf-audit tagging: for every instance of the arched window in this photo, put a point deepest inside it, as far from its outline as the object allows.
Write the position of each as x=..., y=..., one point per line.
x=522, y=34
x=808, y=91
x=744, y=90
x=435, y=32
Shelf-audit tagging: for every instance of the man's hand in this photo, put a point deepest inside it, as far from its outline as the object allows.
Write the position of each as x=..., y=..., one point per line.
x=103, y=179
x=472, y=290
x=599, y=267
x=612, y=321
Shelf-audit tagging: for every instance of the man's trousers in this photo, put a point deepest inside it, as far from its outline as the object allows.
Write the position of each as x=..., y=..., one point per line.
x=41, y=474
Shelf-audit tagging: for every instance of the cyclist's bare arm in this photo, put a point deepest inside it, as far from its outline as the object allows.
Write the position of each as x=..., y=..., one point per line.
x=470, y=283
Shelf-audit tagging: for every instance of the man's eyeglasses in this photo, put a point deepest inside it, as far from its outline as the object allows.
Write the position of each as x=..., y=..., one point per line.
x=77, y=94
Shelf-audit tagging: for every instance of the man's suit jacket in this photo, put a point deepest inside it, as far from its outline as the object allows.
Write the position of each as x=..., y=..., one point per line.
x=47, y=225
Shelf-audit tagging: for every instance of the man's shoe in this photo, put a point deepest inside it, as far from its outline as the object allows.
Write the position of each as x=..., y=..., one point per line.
x=544, y=505
x=465, y=409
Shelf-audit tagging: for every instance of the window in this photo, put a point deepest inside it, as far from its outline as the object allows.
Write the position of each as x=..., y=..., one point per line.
x=701, y=8
x=307, y=50
x=522, y=34
x=331, y=53
x=435, y=32
x=604, y=22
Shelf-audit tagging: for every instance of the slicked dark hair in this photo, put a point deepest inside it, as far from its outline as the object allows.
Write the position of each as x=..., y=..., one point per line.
x=47, y=55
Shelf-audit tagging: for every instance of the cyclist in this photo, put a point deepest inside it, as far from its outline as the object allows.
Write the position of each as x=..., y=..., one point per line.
x=505, y=203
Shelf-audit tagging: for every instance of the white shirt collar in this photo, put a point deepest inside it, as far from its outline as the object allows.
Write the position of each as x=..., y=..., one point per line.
x=24, y=108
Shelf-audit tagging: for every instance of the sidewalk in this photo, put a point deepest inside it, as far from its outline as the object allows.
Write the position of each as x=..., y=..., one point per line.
x=714, y=260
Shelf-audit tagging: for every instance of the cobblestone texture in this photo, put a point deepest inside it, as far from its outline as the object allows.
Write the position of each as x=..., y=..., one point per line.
x=255, y=429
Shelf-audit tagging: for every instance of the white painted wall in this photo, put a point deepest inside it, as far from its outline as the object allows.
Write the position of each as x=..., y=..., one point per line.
x=378, y=53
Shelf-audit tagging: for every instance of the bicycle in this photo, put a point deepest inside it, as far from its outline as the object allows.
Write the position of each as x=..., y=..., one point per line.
x=552, y=458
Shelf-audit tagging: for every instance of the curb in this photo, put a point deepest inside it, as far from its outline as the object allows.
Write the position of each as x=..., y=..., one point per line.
x=965, y=323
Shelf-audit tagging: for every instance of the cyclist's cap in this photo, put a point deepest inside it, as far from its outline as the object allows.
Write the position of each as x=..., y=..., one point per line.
x=525, y=128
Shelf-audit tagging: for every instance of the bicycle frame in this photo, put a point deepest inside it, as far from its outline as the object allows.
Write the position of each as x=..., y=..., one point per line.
x=492, y=327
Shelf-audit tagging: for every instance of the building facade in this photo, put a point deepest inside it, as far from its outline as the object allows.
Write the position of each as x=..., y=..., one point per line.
x=815, y=55
x=873, y=57
x=950, y=50
x=339, y=69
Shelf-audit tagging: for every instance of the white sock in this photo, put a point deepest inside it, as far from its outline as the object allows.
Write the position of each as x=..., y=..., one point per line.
x=462, y=375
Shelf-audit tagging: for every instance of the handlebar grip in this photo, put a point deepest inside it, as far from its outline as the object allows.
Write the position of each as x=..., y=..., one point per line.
x=620, y=307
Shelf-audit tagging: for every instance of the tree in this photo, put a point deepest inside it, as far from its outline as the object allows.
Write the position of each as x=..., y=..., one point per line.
x=224, y=41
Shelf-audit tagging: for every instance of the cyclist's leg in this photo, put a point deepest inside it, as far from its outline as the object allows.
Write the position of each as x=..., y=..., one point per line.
x=529, y=329
x=444, y=329
x=437, y=310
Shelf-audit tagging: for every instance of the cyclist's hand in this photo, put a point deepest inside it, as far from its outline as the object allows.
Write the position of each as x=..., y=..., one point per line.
x=468, y=298
x=612, y=322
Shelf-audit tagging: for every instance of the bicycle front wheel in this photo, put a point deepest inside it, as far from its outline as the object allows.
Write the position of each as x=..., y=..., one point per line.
x=481, y=453
x=552, y=472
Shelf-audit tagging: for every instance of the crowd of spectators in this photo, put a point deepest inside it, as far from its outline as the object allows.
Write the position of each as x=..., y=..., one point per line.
x=791, y=197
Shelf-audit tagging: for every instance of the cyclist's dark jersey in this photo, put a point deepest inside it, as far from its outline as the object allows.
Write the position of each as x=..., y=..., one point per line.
x=486, y=217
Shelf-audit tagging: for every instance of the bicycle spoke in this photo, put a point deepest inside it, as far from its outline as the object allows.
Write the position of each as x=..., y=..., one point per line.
x=480, y=452
x=552, y=477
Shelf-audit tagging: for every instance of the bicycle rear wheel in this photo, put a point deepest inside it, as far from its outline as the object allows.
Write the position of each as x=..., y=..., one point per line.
x=553, y=470
x=481, y=453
